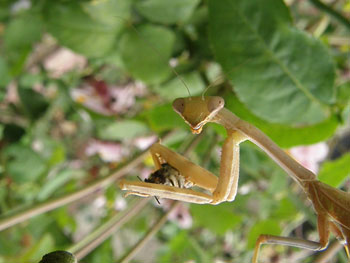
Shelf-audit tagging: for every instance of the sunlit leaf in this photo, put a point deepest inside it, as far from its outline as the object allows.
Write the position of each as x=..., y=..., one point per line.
x=172, y=89
x=121, y=130
x=146, y=52
x=163, y=117
x=166, y=11
x=335, y=172
x=76, y=29
x=268, y=61
x=208, y=216
x=284, y=135
x=270, y=227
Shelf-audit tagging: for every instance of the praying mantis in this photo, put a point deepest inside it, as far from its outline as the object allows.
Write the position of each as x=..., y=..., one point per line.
x=331, y=205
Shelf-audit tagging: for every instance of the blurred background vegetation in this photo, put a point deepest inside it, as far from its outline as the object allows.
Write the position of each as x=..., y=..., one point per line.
x=87, y=86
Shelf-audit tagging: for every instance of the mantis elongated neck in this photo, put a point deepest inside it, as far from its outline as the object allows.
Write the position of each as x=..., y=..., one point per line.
x=231, y=122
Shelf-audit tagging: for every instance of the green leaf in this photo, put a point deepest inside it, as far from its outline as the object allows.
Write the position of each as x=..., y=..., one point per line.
x=218, y=219
x=146, y=54
x=269, y=227
x=76, y=29
x=19, y=36
x=163, y=117
x=110, y=12
x=182, y=248
x=166, y=11
x=281, y=74
x=335, y=172
x=46, y=243
x=121, y=130
x=343, y=95
x=53, y=184
x=34, y=104
x=23, y=164
x=286, y=210
x=22, y=32
x=4, y=77
x=172, y=89
x=285, y=136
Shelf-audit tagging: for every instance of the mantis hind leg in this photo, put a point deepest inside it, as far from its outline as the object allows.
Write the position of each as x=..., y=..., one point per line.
x=323, y=225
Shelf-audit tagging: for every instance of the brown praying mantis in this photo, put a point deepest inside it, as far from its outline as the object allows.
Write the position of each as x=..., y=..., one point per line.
x=331, y=205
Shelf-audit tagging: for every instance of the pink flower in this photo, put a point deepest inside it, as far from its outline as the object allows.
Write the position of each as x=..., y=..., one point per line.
x=310, y=156
x=108, y=151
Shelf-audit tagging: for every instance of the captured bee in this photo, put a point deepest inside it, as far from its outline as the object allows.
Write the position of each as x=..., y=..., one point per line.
x=168, y=175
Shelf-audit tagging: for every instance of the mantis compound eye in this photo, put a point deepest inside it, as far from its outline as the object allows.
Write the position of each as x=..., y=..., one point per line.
x=179, y=105
x=215, y=104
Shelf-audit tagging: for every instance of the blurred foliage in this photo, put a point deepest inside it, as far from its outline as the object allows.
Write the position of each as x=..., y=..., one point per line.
x=283, y=66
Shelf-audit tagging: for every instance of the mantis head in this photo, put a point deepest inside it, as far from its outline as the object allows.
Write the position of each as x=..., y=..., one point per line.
x=197, y=111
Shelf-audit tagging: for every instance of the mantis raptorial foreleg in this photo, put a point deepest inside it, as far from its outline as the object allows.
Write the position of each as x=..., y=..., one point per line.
x=331, y=204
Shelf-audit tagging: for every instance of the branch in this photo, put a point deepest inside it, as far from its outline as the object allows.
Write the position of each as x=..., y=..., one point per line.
x=155, y=228
x=336, y=15
x=93, y=240
x=38, y=209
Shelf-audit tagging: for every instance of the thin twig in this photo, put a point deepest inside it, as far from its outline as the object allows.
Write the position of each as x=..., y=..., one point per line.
x=329, y=253
x=155, y=228
x=331, y=12
x=9, y=221
x=88, y=244
x=163, y=219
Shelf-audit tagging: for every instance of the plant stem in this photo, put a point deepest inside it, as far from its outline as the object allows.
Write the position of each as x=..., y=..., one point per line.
x=329, y=253
x=155, y=228
x=93, y=240
x=38, y=209
x=194, y=142
x=331, y=12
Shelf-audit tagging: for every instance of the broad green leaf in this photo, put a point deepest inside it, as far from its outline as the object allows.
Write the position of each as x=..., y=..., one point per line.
x=166, y=11
x=46, y=243
x=34, y=104
x=110, y=12
x=22, y=32
x=218, y=219
x=50, y=186
x=175, y=88
x=4, y=78
x=121, y=130
x=77, y=30
x=4, y=75
x=183, y=248
x=163, y=117
x=19, y=36
x=281, y=74
x=335, y=172
x=286, y=210
x=145, y=53
x=343, y=95
x=285, y=136
x=103, y=253
x=269, y=227
x=23, y=164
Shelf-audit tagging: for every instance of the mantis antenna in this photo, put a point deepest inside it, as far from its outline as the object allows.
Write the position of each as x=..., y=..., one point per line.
x=156, y=51
x=220, y=77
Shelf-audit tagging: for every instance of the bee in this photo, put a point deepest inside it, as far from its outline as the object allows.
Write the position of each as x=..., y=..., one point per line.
x=168, y=175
